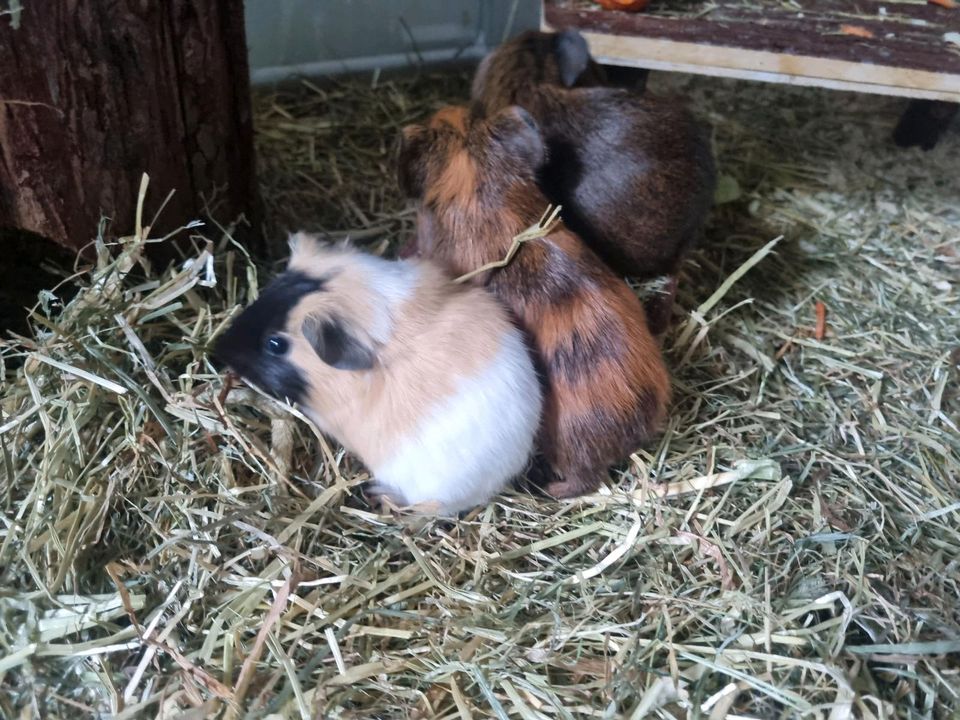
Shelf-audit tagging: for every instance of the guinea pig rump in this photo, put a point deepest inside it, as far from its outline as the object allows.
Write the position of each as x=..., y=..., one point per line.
x=473, y=441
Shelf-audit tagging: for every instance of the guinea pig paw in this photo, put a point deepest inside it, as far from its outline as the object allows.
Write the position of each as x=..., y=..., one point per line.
x=427, y=508
x=562, y=489
x=381, y=497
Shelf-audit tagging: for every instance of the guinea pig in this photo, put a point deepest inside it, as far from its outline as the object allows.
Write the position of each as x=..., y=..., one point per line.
x=607, y=387
x=923, y=122
x=634, y=173
x=428, y=382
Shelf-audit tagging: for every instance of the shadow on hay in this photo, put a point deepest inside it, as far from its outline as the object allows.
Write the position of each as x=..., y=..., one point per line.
x=29, y=264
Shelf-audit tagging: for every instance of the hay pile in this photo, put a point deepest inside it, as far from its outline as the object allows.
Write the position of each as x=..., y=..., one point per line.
x=790, y=548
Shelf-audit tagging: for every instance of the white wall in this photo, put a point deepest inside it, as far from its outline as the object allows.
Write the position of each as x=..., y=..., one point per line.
x=321, y=37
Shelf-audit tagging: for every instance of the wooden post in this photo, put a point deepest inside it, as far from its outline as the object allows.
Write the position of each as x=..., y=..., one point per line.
x=94, y=93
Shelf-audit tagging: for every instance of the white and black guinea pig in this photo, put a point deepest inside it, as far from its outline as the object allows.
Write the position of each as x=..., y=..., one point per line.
x=426, y=381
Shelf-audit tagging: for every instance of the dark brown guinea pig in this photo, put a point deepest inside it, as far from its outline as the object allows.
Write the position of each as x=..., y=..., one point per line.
x=606, y=384
x=634, y=173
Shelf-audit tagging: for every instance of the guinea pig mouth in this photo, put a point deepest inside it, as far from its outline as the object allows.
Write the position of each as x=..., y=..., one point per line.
x=227, y=352
x=274, y=375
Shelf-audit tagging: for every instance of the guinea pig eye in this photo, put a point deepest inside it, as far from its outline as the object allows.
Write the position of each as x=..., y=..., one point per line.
x=276, y=345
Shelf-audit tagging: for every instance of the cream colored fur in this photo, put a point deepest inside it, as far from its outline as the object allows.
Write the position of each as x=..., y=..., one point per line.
x=449, y=411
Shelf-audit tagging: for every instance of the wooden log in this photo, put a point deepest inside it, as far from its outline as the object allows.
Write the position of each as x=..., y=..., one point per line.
x=93, y=93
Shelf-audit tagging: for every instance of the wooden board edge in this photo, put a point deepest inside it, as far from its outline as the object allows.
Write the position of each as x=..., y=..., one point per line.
x=721, y=61
x=798, y=80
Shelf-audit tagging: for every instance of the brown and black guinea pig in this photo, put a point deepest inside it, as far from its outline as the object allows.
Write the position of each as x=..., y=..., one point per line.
x=429, y=383
x=634, y=173
x=607, y=387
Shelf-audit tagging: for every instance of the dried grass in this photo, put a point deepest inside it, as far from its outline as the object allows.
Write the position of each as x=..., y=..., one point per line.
x=789, y=548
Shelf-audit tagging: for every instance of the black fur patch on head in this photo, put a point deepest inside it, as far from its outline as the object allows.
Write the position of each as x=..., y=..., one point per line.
x=250, y=345
x=335, y=345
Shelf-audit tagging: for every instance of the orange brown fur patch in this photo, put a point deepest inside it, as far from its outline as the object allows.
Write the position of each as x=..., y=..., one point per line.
x=459, y=181
x=453, y=115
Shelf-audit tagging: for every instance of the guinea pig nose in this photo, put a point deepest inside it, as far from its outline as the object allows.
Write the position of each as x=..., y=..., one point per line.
x=277, y=345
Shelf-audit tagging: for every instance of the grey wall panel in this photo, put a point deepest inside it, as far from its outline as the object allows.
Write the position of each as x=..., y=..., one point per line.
x=319, y=37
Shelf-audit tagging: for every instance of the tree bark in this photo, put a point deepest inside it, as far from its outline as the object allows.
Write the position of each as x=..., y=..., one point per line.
x=93, y=93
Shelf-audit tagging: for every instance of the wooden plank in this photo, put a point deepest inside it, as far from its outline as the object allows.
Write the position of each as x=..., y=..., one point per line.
x=908, y=54
x=906, y=36
x=771, y=67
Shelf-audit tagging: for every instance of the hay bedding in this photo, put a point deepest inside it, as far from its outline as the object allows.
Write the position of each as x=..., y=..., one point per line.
x=790, y=548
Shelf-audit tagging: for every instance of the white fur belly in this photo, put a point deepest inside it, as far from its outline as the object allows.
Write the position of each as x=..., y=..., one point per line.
x=475, y=442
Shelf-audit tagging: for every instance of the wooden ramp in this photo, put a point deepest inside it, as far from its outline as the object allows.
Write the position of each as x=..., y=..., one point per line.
x=897, y=47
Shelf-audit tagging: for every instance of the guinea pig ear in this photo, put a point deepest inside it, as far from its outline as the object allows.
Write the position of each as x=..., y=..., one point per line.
x=573, y=55
x=334, y=344
x=479, y=83
x=516, y=130
x=302, y=245
x=411, y=159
